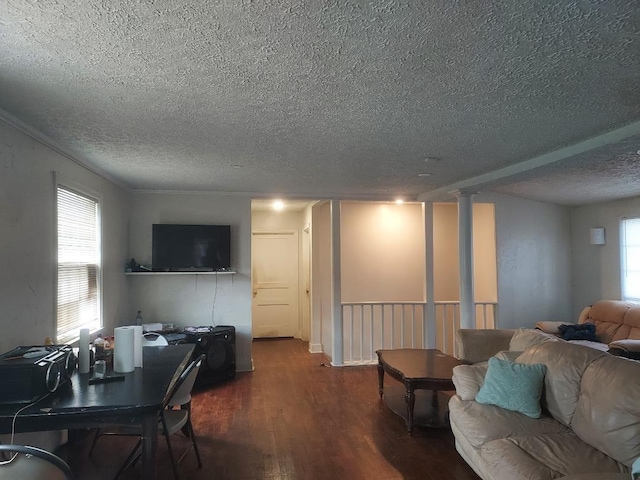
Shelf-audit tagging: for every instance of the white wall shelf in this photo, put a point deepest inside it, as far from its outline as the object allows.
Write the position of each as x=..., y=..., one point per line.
x=228, y=272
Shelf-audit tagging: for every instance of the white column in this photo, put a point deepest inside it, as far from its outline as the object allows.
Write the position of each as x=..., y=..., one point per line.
x=336, y=288
x=430, y=309
x=465, y=255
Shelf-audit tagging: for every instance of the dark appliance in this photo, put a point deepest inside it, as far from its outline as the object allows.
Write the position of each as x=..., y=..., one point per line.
x=191, y=247
x=175, y=338
x=219, y=346
x=27, y=373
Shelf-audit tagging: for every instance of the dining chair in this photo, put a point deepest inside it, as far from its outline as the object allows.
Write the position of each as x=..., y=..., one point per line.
x=32, y=463
x=170, y=421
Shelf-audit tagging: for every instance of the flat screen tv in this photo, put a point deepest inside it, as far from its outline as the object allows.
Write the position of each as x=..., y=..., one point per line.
x=183, y=248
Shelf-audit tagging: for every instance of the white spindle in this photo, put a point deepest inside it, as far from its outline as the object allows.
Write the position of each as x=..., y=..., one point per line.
x=447, y=318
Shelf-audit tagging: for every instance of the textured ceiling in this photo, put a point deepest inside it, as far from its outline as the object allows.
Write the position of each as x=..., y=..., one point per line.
x=603, y=174
x=343, y=99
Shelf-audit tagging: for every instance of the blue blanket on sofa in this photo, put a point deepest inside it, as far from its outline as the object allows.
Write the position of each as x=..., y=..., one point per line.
x=582, y=331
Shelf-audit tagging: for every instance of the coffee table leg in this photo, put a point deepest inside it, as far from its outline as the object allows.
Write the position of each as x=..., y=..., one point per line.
x=380, y=379
x=410, y=399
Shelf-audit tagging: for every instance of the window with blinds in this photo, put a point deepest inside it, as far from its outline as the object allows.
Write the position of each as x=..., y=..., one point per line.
x=630, y=252
x=78, y=300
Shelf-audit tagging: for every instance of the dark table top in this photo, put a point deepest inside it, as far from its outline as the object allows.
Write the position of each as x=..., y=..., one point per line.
x=418, y=364
x=76, y=403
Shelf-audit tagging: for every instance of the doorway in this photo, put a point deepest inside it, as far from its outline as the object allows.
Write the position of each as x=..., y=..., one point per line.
x=274, y=265
x=275, y=282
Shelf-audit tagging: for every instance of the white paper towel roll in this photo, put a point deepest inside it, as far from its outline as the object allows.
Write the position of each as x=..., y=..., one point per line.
x=137, y=345
x=124, y=354
x=83, y=351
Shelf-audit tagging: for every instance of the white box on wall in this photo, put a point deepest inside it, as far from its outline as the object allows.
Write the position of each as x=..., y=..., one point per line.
x=597, y=236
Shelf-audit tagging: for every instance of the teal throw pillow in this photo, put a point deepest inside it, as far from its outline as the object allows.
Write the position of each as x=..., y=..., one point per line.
x=513, y=386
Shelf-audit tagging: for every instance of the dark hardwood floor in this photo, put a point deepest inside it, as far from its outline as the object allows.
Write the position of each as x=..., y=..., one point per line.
x=292, y=419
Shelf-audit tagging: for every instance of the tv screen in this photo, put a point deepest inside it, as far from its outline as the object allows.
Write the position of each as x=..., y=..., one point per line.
x=191, y=247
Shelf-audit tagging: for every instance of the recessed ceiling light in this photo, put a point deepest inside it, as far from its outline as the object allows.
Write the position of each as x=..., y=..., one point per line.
x=424, y=174
x=278, y=205
x=399, y=201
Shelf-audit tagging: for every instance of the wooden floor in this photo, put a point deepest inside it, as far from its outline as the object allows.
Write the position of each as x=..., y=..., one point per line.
x=292, y=418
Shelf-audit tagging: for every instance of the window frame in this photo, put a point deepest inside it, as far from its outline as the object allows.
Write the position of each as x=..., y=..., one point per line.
x=623, y=259
x=62, y=182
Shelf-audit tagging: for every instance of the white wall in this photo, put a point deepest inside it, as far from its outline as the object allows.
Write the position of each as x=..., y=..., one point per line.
x=27, y=240
x=596, y=268
x=383, y=252
x=446, y=263
x=533, y=241
x=485, y=265
x=194, y=299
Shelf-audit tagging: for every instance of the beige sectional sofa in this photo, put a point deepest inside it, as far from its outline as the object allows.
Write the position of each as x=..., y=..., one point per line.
x=617, y=326
x=590, y=425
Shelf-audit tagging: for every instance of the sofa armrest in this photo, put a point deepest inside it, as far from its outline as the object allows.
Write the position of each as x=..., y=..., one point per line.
x=550, y=327
x=468, y=379
x=629, y=348
x=479, y=345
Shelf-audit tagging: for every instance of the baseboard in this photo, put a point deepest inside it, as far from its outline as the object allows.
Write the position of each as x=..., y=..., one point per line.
x=315, y=348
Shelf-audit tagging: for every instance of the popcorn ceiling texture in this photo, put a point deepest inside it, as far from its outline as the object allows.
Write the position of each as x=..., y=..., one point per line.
x=339, y=98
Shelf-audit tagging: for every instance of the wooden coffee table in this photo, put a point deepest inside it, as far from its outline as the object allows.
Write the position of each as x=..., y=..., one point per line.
x=417, y=369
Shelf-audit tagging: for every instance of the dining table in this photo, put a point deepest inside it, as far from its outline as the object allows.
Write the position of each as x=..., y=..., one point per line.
x=133, y=398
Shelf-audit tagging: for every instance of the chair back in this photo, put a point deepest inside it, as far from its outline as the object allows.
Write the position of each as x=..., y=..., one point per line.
x=32, y=463
x=151, y=339
x=181, y=392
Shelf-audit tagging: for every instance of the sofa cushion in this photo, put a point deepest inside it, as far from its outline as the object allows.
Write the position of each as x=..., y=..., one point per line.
x=483, y=423
x=608, y=315
x=632, y=321
x=543, y=457
x=565, y=365
x=607, y=414
x=514, y=386
x=524, y=338
x=510, y=355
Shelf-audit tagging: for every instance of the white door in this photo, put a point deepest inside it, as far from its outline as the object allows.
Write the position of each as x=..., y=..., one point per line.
x=275, y=284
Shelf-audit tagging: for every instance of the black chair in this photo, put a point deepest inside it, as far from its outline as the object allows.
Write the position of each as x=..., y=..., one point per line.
x=26, y=462
x=170, y=421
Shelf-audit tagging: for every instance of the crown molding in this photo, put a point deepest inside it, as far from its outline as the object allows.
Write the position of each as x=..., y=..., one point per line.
x=51, y=144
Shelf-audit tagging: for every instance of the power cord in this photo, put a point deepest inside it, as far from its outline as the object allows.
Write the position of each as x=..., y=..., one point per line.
x=213, y=306
x=13, y=427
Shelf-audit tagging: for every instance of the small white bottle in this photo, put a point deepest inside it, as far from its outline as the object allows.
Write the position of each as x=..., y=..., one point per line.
x=139, y=317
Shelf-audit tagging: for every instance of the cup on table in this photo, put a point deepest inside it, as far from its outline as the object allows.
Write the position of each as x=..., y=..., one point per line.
x=100, y=368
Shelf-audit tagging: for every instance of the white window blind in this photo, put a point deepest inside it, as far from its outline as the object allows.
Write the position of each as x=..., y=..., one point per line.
x=78, y=302
x=630, y=249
